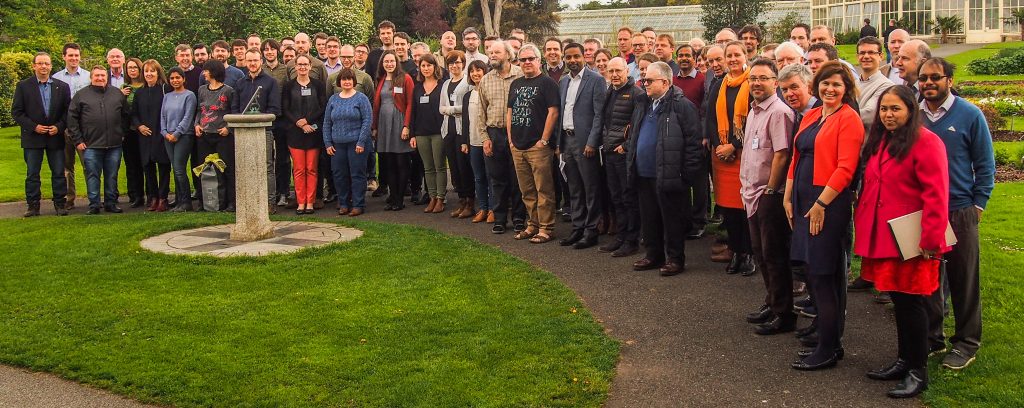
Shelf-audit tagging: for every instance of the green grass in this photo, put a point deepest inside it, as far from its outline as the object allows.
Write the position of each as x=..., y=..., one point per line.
x=403, y=316
x=962, y=59
x=1014, y=123
x=12, y=169
x=994, y=380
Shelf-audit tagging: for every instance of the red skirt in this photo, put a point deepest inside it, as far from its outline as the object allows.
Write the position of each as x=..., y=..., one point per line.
x=726, y=178
x=917, y=276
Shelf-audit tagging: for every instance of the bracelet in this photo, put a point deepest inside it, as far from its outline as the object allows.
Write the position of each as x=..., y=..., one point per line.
x=821, y=203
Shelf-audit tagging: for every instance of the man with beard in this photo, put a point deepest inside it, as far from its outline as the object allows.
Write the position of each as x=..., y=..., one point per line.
x=386, y=34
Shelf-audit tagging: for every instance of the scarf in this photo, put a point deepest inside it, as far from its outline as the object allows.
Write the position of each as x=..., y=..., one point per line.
x=211, y=160
x=742, y=105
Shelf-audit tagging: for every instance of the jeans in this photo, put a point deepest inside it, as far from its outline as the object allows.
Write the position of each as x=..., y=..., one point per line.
x=305, y=169
x=58, y=184
x=179, y=153
x=350, y=175
x=371, y=160
x=435, y=169
x=506, y=195
x=483, y=187
x=101, y=163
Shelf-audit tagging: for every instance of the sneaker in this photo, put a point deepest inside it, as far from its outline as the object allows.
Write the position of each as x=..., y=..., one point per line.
x=957, y=360
x=283, y=200
x=859, y=285
x=802, y=303
x=809, y=311
x=936, y=350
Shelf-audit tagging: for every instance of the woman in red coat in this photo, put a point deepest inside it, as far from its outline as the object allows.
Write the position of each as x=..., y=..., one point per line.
x=903, y=176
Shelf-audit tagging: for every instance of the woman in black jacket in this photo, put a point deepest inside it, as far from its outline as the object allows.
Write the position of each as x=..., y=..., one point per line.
x=303, y=100
x=147, y=102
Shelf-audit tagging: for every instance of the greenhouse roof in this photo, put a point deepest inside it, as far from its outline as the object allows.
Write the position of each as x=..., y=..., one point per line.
x=667, y=19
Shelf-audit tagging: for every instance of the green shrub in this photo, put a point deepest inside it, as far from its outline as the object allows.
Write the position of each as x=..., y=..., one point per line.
x=1009, y=61
x=14, y=66
x=983, y=90
x=1018, y=159
x=992, y=116
x=849, y=37
x=1003, y=157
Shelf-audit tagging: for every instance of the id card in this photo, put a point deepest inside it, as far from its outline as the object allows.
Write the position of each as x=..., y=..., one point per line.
x=756, y=143
x=306, y=92
x=398, y=90
x=425, y=99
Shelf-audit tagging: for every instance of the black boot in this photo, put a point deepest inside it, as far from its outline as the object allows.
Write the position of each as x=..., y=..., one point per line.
x=734, y=264
x=32, y=210
x=897, y=370
x=913, y=384
x=746, y=265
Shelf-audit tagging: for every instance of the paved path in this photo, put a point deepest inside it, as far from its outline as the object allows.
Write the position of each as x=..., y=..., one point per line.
x=946, y=50
x=684, y=340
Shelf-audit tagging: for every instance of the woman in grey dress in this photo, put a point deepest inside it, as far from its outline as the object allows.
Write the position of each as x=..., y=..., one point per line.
x=392, y=104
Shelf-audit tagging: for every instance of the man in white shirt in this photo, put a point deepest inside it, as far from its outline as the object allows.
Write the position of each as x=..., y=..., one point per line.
x=871, y=82
x=77, y=78
x=471, y=42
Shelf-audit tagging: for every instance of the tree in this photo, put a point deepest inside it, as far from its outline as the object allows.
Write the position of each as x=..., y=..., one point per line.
x=1017, y=16
x=946, y=25
x=779, y=31
x=425, y=17
x=536, y=17
x=491, y=16
x=719, y=14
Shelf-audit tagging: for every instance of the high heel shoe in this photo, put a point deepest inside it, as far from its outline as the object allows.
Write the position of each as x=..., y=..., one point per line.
x=803, y=366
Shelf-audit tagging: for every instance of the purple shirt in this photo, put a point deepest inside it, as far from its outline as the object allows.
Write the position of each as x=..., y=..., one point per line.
x=769, y=125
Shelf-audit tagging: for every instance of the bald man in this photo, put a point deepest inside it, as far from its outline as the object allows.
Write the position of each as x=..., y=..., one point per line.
x=911, y=55
x=316, y=70
x=894, y=42
x=725, y=35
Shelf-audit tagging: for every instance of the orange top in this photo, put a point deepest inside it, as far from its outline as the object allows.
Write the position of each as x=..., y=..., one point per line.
x=836, y=149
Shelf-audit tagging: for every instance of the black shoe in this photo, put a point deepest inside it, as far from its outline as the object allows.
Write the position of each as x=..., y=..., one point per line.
x=762, y=315
x=389, y=207
x=585, y=243
x=137, y=202
x=93, y=211
x=331, y=198
x=895, y=371
x=697, y=233
x=380, y=192
x=777, y=325
x=809, y=311
x=32, y=211
x=611, y=246
x=61, y=209
x=626, y=249
x=840, y=353
x=423, y=199
x=804, y=332
x=746, y=265
x=802, y=303
x=498, y=229
x=113, y=208
x=859, y=285
x=518, y=227
x=734, y=264
x=883, y=298
x=574, y=237
x=810, y=340
x=802, y=366
x=229, y=208
x=915, y=382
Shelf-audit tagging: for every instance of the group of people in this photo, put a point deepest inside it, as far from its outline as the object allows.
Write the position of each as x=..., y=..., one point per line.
x=799, y=148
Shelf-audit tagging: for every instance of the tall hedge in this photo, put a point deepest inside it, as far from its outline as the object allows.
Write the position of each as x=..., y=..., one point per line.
x=14, y=66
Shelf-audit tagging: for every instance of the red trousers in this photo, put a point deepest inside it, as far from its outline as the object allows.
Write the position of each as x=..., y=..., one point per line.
x=304, y=164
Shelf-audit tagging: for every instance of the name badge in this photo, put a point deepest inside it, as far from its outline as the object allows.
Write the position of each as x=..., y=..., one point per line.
x=398, y=90
x=306, y=92
x=757, y=143
x=425, y=99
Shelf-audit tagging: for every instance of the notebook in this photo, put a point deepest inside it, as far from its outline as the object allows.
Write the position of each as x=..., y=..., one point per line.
x=907, y=231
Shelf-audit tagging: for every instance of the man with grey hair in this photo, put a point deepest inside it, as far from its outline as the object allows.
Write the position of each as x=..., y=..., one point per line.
x=664, y=154
x=419, y=49
x=618, y=113
x=911, y=55
x=894, y=42
x=788, y=53
x=116, y=74
x=795, y=83
x=725, y=35
x=493, y=91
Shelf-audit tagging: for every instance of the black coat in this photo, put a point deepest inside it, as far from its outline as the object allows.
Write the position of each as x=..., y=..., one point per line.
x=146, y=106
x=680, y=154
x=96, y=117
x=27, y=111
x=294, y=106
x=618, y=114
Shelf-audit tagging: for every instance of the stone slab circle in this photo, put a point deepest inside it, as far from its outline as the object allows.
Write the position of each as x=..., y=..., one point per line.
x=289, y=236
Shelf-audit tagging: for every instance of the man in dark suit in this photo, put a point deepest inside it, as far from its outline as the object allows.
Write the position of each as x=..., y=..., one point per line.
x=581, y=113
x=40, y=107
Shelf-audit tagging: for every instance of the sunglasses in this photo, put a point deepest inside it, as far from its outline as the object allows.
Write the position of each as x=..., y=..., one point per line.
x=527, y=59
x=932, y=77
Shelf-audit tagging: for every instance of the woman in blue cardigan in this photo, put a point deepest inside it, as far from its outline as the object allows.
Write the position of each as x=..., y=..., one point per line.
x=347, y=122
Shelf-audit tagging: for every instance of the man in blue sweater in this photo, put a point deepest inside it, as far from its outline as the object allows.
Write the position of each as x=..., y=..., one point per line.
x=963, y=129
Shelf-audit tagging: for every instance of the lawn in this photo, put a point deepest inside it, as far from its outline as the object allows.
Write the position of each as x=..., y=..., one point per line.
x=12, y=167
x=848, y=52
x=402, y=316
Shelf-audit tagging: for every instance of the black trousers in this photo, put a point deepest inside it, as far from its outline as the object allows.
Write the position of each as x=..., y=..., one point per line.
x=665, y=219
x=158, y=179
x=700, y=199
x=911, y=327
x=459, y=165
x=508, y=200
x=735, y=222
x=416, y=173
x=133, y=166
x=962, y=272
x=224, y=146
x=397, y=173
x=283, y=160
x=769, y=239
x=623, y=198
x=584, y=180
x=562, y=194
x=324, y=175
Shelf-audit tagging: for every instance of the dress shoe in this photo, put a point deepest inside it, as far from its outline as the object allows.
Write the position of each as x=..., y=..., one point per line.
x=380, y=192
x=574, y=237
x=828, y=363
x=810, y=340
x=859, y=285
x=32, y=211
x=646, y=264
x=136, y=202
x=318, y=203
x=671, y=269
x=59, y=208
x=152, y=204
x=467, y=210
x=490, y=217
x=183, y=207
x=627, y=249
x=697, y=233
x=806, y=331
x=480, y=216
x=762, y=315
x=746, y=266
x=724, y=256
x=458, y=210
x=439, y=205
x=777, y=325
x=895, y=371
x=586, y=242
x=840, y=353
x=93, y=211
x=341, y=211
x=734, y=264
x=389, y=207
x=915, y=382
x=113, y=208
x=355, y=212
x=161, y=205
x=611, y=246
x=718, y=247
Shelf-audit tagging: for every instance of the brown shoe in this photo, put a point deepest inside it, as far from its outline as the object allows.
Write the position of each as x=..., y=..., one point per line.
x=355, y=212
x=430, y=206
x=439, y=206
x=480, y=216
x=467, y=211
x=317, y=204
x=490, y=217
x=724, y=256
x=343, y=211
x=458, y=210
x=719, y=247
x=70, y=204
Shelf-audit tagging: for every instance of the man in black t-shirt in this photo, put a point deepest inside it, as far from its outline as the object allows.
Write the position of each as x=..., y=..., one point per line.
x=530, y=121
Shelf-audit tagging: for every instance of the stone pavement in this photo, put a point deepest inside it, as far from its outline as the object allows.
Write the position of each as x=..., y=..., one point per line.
x=684, y=340
x=20, y=388
x=289, y=236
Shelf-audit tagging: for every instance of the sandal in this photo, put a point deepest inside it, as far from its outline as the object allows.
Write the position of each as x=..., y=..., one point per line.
x=524, y=234
x=540, y=238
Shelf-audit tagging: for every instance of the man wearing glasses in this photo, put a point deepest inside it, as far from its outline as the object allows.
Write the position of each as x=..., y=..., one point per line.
x=332, y=63
x=871, y=82
x=638, y=44
x=663, y=157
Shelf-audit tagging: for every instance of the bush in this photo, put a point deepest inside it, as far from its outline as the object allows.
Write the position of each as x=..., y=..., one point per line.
x=1008, y=62
x=1005, y=106
x=14, y=66
x=992, y=116
x=982, y=90
x=1003, y=157
x=849, y=37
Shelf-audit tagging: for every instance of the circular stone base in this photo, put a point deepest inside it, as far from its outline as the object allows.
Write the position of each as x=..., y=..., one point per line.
x=289, y=236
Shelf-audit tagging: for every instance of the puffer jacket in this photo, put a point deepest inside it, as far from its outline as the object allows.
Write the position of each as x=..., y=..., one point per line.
x=618, y=112
x=680, y=155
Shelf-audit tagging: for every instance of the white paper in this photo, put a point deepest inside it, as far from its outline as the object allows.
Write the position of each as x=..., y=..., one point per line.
x=907, y=231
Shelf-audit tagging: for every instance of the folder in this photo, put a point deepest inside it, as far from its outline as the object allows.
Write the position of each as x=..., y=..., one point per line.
x=907, y=231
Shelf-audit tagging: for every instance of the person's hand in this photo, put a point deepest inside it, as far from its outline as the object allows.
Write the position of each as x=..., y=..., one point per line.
x=725, y=152
x=80, y=147
x=464, y=149
x=126, y=91
x=817, y=218
x=412, y=143
x=42, y=129
x=589, y=151
x=488, y=148
x=308, y=129
x=330, y=150
x=788, y=206
x=145, y=130
x=620, y=150
x=704, y=142
x=405, y=133
x=199, y=131
x=52, y=131
x=301, y=123
x=927, y=254
x=223, y=131
x=170, y=138
x=359, y=150
x=979, y=211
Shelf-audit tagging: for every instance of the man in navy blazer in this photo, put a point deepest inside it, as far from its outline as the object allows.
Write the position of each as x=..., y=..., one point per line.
x=580, y=113
x=40, y=107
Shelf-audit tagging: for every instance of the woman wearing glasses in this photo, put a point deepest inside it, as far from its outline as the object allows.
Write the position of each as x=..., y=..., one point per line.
x=303, y=100
x=392, y=111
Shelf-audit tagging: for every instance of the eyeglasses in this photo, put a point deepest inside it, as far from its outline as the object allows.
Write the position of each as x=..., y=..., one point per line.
x=301, y=65
x=932, y=77
x=649, y=81
x=863, y=53
x=527, y=59
x=346, y=56
x=761, y=79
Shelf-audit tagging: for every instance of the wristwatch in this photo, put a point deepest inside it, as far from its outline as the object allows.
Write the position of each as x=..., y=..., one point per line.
x=543, y=142
x=770, y=191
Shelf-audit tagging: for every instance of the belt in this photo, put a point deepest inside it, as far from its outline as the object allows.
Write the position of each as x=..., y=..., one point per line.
x=570, y=132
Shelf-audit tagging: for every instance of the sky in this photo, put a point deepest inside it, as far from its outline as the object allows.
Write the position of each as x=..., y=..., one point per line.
x=574, y=3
